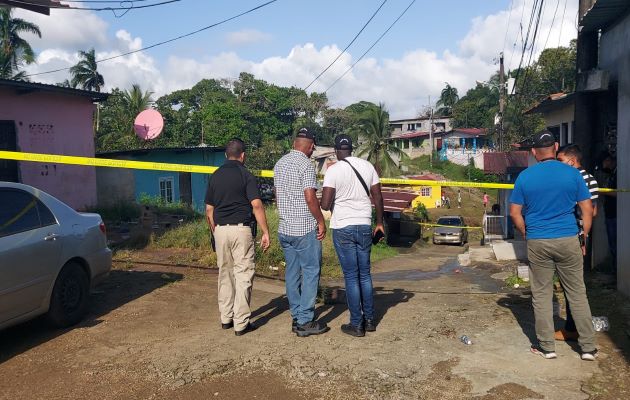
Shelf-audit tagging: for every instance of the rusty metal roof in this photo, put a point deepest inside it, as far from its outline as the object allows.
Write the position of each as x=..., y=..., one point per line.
x=38, y=6
x=604, y=13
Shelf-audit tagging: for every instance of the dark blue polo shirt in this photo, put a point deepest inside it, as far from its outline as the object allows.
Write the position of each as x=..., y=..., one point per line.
x=548, y=192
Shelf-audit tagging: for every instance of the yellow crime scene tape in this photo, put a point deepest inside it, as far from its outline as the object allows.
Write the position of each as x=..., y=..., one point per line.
x=203, y=169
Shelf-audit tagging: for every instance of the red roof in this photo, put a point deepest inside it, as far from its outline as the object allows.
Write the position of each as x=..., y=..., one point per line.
x=470, y=131
x=397, y=200
x=427, y=177
x=498, y=162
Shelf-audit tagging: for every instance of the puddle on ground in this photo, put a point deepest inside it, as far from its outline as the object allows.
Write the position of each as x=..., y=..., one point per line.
x=415, y=275
x=476, y=277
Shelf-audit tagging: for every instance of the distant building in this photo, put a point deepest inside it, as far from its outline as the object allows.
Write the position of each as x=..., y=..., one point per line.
x=430, y=196
x=38, y=118
x=412, y=135
x=118, y=185
x=558, y=110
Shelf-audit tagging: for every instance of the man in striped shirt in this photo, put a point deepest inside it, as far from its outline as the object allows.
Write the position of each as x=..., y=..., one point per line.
x=572, y=155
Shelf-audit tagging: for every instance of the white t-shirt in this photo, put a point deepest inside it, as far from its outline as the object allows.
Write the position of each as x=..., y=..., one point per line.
x=352, y=205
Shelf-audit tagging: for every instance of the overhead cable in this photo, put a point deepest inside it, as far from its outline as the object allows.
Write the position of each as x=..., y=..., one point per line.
x=349, y=44
x=168, y=40
x=370, y=48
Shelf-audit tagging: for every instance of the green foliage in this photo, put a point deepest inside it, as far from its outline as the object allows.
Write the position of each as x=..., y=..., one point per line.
x=122, y=211
x=85, y=73
x=163, y=207
x=373, y=131
x=190, y=235
x=448, y=99
x=15, y=52
x=421, y=212
x=451, y=171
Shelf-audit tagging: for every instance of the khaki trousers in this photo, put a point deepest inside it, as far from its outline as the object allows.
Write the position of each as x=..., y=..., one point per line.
x=235, y=258
x=564, y=256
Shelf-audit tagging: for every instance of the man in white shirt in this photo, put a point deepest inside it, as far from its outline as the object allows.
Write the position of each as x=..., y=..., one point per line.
x=348, y=185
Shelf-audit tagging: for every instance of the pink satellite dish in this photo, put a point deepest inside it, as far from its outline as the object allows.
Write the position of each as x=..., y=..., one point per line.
x=148, y=124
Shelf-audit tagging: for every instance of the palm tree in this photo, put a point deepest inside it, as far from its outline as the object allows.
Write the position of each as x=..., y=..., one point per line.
x=85, y=73
x=374, y=131
x=136, y=100
x=448, y=98
x=15, y=51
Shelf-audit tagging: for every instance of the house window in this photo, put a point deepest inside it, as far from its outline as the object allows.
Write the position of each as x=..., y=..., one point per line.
x=166, y=189
x=425, y=192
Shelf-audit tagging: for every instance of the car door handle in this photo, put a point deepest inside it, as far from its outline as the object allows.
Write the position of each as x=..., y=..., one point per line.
x=51, y=236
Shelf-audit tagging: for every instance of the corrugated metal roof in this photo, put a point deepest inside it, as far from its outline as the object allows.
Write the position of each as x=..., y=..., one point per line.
x=25, y=87
x=604, y=13
x=551, y=102
x=499, y=162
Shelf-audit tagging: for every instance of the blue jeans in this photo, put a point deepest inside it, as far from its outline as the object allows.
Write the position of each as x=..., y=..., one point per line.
x=303, y=256
x=353, y=245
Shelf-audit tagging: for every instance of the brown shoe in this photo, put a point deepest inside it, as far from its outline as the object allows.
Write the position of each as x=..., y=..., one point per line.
x=564, y=335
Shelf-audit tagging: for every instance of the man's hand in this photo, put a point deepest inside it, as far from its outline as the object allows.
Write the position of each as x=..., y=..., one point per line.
x=264, y=241
x=583, y=251
x=379, y=227
x=321, y=231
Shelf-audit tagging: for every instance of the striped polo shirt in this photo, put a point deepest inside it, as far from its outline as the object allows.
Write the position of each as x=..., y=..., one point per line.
x=593, y=188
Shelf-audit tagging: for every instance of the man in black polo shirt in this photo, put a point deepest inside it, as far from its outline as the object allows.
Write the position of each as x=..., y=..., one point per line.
x=231, y=199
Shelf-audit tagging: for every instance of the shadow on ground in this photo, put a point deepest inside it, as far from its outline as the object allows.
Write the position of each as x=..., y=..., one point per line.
x=120, y=288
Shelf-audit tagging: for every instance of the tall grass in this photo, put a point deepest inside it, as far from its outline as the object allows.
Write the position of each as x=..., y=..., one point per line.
x=195, y=235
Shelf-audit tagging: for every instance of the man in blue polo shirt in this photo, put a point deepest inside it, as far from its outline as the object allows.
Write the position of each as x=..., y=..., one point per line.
x=542, y=209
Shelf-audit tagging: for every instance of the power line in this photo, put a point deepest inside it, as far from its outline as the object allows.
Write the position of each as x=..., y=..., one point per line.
x=122, y=7
x=562, y=22
x=168, y=40
x=349, y=44
x=552, y=22
x=370, y=48
x=525, y=41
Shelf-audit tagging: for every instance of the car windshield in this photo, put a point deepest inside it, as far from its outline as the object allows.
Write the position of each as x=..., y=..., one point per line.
x=450, y=221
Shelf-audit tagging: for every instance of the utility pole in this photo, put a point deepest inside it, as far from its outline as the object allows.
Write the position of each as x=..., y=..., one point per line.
x=431, y=132
x=501, y=100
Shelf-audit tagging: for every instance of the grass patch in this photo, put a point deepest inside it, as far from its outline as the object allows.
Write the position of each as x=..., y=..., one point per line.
x=122, y=211
x=512, y=280
x=194, y=235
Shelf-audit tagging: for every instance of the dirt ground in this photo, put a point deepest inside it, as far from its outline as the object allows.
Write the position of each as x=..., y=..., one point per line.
x=154, y=333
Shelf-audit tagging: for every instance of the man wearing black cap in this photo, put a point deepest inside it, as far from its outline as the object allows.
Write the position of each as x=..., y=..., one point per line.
x=300, y=232
x=542, y=209
x=348, y=185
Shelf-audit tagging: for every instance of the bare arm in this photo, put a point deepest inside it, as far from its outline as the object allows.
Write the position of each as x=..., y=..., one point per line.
x=516, y=212
x=377, y=196
x=210, y=216
x=328, y=195
x=594, y=210
x=586, y=206
x=313, y=206
x=259, y=213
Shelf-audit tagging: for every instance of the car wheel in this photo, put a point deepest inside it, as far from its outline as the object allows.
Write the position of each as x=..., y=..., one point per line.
x=70, y=296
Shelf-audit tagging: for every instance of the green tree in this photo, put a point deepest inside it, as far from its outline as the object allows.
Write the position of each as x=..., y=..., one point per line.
x=374, y=129
x=448, y=98
x=136, y=100
x=85, y=73
x=14, y=50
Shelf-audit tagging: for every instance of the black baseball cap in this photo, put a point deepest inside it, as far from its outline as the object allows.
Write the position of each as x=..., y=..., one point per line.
x=343, y=142
x=543, y=139
x=305, y=134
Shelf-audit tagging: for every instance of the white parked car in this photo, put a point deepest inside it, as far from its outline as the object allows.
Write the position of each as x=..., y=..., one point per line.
x=50, y=257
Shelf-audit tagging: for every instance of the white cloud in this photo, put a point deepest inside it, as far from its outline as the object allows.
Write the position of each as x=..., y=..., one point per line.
x=247, y=37
x=66, y=29
x=403, y=84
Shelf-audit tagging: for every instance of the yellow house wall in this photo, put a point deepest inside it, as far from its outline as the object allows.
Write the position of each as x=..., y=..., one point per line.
x=428, y=201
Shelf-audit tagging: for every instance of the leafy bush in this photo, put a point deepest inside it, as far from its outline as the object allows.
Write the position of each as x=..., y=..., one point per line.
x=164, y=207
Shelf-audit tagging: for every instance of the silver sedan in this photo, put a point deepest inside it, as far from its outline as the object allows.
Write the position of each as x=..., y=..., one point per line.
x=50, y=257
x=451, y=230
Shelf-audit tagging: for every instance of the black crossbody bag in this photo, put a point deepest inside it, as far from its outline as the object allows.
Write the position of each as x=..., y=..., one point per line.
x=379, y=235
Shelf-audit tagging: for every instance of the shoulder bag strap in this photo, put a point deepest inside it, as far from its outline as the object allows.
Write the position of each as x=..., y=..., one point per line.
x=367, y=191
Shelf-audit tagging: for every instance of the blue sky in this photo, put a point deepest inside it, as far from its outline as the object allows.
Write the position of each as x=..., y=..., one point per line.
x=289, y=42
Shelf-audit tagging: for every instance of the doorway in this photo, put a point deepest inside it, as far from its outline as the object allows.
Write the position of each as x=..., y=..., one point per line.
x=8, y=142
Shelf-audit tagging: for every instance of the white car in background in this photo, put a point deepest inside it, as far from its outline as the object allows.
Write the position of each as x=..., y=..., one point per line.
x=50, y=257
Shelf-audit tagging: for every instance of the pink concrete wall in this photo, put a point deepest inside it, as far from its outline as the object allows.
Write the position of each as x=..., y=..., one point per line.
x=54, y=123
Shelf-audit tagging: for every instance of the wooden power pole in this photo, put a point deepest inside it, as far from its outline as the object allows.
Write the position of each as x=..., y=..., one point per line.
x=501, y=99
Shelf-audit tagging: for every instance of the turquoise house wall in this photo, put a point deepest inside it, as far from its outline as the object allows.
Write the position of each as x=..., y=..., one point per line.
x=147, y=182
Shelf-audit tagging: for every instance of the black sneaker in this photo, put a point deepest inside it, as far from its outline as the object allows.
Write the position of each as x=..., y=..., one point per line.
x=229, y=325
x=356, y=331
x=369, y=325
x=294, y=326
x=589, y=355
x=249, y=328
x=311, y=328
x=544, y=353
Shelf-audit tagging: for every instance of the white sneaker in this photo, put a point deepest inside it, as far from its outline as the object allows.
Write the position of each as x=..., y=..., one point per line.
x=545, y=354
x=589, y=356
